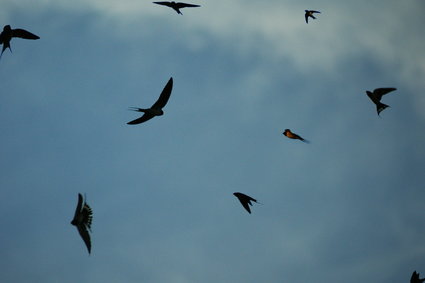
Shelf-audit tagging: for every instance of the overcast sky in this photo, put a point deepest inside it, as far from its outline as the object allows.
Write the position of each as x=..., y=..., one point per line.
x=348, y=207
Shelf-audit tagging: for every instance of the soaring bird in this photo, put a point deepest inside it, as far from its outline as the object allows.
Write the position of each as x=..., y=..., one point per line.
x=376, y=96
x=415, y=278
x=8, y=33
x=82, y=220
x=291, y=135
x=245, y=200
x=156, y=108
x=176, y=6
x=309, y=13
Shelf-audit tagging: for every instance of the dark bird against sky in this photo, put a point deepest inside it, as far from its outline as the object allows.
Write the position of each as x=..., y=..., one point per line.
x=291, y=135
x=376, y=96
x=176, y=6
x=82, y=220
x=309, y=13
x=156, y=108
x=415, y=278
x=8, y=33
x=245, y=200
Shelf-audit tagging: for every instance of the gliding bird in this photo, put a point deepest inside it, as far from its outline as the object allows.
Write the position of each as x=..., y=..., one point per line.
x=309, y=13
x=8, y=33
x=376, y=96
x=176, y=6
x=156, y=108
x=245, y=201
x=82, y=220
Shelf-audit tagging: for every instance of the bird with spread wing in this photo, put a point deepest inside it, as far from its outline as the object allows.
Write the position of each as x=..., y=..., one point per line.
x=82, y=220
x=176, y=6
x=8, y=33
x=376, y=96
x=309, y=14
x=156, y=108
x=245, y=200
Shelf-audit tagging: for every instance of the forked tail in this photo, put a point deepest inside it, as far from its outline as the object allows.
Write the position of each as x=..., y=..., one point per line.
x=380, y=107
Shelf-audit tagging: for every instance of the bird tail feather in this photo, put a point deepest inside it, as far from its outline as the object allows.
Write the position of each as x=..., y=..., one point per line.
x=380, y=107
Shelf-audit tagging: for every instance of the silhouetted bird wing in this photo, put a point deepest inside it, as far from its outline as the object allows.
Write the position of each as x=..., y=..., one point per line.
x=245, y=205
x=415, y=278
x=78, y=208
x=2, y=38
x=165, y=95
x=306, y=17
x=184, y=5
x=245, y=200
x=379, y=92
x=313, y=11
x=372, y=97
x=23, y=34
x=164, y=3
x=301, y=138
x=142, y=119
x=82, y=220
x=87, y=216
x=295, y=136
x=82, y=229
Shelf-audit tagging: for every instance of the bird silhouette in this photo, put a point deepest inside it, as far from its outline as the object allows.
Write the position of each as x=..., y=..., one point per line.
x=8, y=33
x=415, y=278
x=291, y=135
x=245, y=201
x=376, y=96
x=309, y=13
x=176, y=6
x=156, y=108
x=82, y=220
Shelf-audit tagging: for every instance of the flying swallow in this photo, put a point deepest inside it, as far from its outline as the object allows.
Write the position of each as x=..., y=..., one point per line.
x=82, y=220
x=309, y=13
x=8, y=33
x=156, y=108
x=376, y=96
x=245, y=200
x=176, y=6
x=291, y=135
x=415, y=278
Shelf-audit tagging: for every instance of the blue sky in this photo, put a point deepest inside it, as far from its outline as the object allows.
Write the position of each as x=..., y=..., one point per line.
x=348, y=206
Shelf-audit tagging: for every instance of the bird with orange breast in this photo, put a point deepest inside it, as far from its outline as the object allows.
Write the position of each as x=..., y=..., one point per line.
x=294, y=136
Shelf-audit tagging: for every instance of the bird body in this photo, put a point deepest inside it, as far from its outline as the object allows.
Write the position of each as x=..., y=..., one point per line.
x=8, y=33
x=176, y=6
x=415, y=278
x=309, y=13
x=376, y=96
x=156, y=108
x=149, y=111
x=245, y=200
x=292, y=135
x=82, y=220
